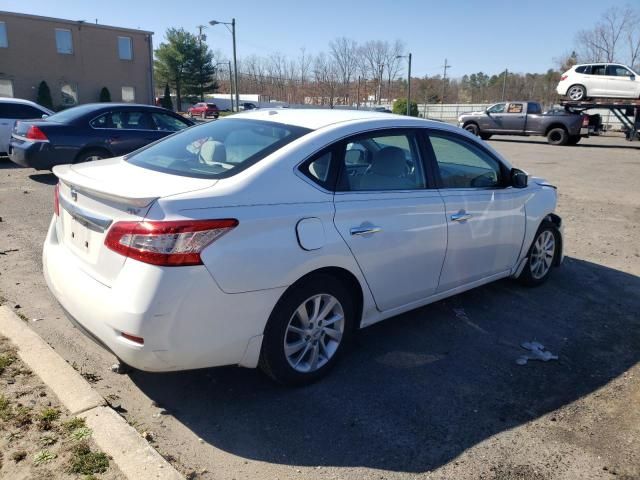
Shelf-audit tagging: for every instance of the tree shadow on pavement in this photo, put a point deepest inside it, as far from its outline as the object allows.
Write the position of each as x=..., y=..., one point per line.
x=417, y=390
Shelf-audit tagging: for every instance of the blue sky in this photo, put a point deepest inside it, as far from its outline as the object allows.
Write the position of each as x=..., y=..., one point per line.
x=487, y=35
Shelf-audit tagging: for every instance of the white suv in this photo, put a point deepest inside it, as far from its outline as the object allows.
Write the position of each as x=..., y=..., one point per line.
x=599, y=80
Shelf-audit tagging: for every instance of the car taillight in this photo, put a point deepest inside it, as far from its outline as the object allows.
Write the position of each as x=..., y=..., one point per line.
x=585, y=120
x=170, y=243
x=56, y=200
x=564, y=77
x=34, y=133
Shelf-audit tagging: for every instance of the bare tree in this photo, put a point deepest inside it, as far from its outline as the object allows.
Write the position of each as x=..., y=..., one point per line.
x=605, y=42
x=393, y=63
x=344, y=52
x=325, y=73
x=375, y=53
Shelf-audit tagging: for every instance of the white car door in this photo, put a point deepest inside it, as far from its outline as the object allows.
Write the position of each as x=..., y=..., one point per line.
x=6, y=126
x=10, y=112
x=622, y=82
x=391, y=220
x=485, y=218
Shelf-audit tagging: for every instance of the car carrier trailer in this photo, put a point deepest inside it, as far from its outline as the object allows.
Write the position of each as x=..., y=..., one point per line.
x=626, y=111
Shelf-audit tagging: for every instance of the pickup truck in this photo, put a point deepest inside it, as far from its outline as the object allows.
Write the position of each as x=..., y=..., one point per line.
x=526, y=118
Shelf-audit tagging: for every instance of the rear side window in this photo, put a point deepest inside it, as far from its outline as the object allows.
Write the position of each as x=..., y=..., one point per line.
x=581, y=69
x=598, y=70
x=320, y=169
x=19, y=111
x=515, y=108
x=217, y=149
x=534, y=108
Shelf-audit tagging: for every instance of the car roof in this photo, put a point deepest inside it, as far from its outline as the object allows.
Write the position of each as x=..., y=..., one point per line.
x=21, y=101
x=316, y=118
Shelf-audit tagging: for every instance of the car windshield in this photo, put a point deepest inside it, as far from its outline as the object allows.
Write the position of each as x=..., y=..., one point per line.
x=217, y=149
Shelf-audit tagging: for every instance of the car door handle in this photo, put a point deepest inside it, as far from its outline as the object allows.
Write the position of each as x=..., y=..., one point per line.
x=461, y=216
x=364, y=230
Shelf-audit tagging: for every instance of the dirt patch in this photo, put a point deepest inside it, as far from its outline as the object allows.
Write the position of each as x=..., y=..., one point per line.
x=38, y=437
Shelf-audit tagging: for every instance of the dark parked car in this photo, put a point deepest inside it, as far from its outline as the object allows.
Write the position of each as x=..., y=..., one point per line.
x=90, y=132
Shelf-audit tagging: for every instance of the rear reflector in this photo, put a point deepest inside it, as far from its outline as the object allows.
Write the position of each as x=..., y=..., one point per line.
x=56, y=200
x=170, y=244
x=133, y=338
x=585, y=120
x=34, y=133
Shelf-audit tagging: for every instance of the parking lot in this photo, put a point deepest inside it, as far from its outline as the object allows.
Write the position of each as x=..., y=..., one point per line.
x=434, y=393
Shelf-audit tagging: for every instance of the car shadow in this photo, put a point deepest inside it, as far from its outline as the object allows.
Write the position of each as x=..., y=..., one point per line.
x=631, y=146
x=416, y=391
x=6, y=164
x=46, y=178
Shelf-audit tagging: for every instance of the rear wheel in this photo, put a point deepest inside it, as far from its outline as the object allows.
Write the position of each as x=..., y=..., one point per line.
x=307, y=331
x=558, y=136
x=542, y=255
x=91, y=155
x=577, y=93
x=472, y=128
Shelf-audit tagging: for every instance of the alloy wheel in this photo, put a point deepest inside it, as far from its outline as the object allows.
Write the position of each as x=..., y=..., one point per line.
x=576, y=93
x=314, y=333
x=542, y=254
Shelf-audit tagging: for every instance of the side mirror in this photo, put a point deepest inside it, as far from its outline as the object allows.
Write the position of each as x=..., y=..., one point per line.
x=44, y=115
x=632, y=77
x=519, y=179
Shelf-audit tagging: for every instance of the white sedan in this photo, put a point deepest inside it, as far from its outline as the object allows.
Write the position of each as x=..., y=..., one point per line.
x=599, y=80
x=268, y=238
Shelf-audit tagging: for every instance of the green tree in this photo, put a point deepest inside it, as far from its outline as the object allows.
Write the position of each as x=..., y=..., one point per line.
x=44, y=95
x=174, y=59
x=400, y=107
x=200, y=72
x=105, y=95
x=166, y=99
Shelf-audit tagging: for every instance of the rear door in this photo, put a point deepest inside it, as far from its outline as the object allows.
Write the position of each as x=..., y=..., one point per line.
x=485, y=218
x=514, y=118
x=127, y=130
x=597, y=80
x=391, y=220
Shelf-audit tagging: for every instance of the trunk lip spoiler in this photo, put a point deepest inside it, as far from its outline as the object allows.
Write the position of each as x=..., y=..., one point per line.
x=139, y=202
x=90, y=220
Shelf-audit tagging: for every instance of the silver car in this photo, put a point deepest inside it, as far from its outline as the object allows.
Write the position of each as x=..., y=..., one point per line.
x=13, y=109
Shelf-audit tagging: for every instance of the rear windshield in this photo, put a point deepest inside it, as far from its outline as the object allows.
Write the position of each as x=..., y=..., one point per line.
x=217, y=149
x=71, y=114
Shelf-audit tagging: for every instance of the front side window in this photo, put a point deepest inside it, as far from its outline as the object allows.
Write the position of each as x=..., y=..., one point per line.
x=217, y=149
x=125, y=48
x=69, y=94
x=378, y=162
x=463, y=165
x=598, y=70
x=515, y=108
x=64, y=41
x=4, y=42
x=497, y=108
x=6, y=87
x=128, y=94
x=168, y=123
x=618, y=71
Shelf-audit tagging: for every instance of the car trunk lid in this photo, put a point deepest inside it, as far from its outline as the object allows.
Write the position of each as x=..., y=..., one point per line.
x=95, y=195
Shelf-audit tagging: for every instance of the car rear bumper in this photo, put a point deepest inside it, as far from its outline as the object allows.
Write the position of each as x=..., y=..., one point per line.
x=38, y=155
x=186, y=321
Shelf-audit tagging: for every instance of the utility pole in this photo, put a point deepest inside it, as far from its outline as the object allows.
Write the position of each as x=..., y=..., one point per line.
x=358, y=95
x=504, y=82
x=200, y=38
x=409, y=89
x=380, y=84
x=235, y=62
x=445, y=67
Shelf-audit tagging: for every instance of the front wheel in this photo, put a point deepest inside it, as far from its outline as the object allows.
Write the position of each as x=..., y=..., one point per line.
x=307, y=331
x=485, y=136
x=473, y=129
x=542, y=255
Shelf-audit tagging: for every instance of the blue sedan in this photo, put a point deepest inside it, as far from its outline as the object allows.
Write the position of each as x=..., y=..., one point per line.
x=90, y=132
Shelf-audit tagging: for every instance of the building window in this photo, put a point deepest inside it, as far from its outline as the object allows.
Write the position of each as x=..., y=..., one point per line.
x=125, y=50
x=128, y=94
x=64, y=41
x=4, y=43
x=6, y=88
x=69, y=94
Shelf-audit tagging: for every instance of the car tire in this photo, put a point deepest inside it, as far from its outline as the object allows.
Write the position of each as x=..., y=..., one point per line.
x=542, y=256
x=485, y=136
x=574, y=139
x=91, y=155
x=577, y=93
x=314, y=349
x=472, y=128
x=557, y=136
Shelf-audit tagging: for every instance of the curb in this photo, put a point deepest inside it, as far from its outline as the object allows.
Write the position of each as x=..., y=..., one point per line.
x=130, y=452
